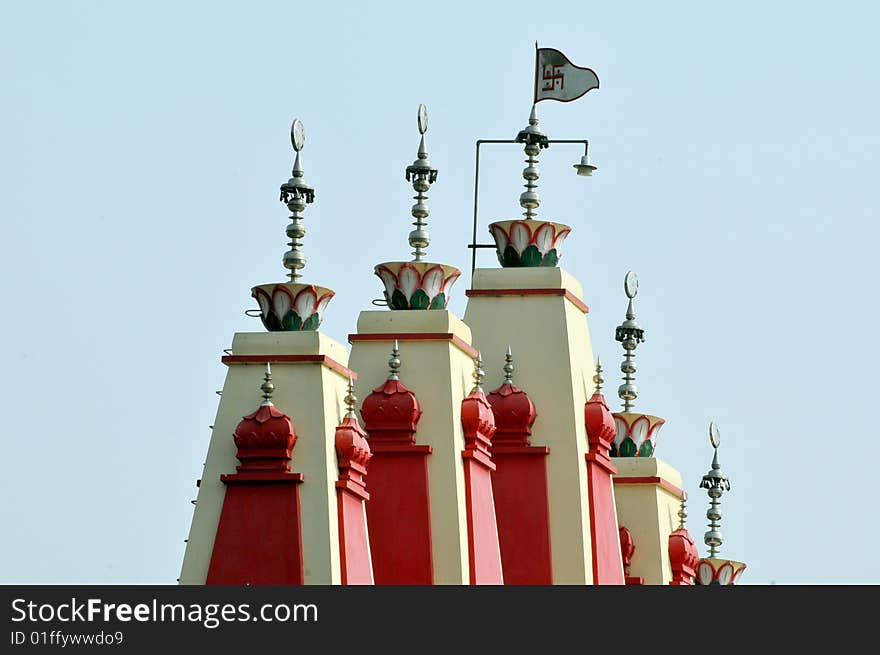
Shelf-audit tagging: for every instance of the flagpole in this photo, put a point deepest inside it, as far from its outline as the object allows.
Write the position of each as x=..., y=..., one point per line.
x=535, y=97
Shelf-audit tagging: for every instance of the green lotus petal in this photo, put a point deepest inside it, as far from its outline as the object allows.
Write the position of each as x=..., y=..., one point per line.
x=439, y=301
x=291, y=321
x=647, y=449
x=419, y=300
x=511, y=258
x=271, y=322
x=311, y=323
x=627, y=448
x=398, y=300
x=551, y=258
x=531, y=256
x=612, y=452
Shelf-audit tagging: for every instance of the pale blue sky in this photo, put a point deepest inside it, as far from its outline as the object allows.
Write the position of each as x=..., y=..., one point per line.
x=141, y=150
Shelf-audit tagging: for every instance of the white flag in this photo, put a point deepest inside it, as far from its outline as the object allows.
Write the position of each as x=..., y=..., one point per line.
x=556, y=78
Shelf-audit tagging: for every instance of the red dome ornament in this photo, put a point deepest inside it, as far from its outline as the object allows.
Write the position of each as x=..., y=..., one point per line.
x=513, y=410
x=391, y=412
x=265, y=438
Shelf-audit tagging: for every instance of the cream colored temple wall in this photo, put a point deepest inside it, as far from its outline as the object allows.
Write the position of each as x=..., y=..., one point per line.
x=438, y=372
x=649, y=510
x=311, y=394
x=553, y=361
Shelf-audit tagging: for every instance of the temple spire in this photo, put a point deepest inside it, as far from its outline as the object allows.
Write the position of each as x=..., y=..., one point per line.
x=715, y=483
x=534, y=139
x=296, y=194
x=629, y=334
x=422, y=175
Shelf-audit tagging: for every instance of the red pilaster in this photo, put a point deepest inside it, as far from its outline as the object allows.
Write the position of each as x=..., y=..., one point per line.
x=398, y=514
x=259, y=540
x=627, y=548
x=353, y=454
x=519, y=484
x=683, y=557
x=607, y=567
x=485, y=553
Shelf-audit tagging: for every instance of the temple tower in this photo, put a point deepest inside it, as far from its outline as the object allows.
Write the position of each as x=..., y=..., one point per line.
x=537, y=309
x=310, y=381
x=439, y=359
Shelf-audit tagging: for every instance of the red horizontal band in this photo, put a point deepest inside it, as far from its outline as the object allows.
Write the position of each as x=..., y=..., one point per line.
x=503, y=449
x=262, y=477
x=291, y=359
x=417, y=336
x=577, y=302
x=400, y=449
x=671, y=488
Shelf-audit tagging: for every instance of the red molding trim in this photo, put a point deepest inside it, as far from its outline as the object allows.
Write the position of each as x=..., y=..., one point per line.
x=252, y=477
x=520, y=450
x=417, y=336
x=330, y=363
x=402, y=449
x=671, y=488
x=577, y=302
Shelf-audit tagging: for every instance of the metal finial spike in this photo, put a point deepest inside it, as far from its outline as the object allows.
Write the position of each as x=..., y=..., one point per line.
x=296, y=194
x=394, y=362
x=267, y=387
x=682, y=512
x=534, y=139
x=422, y=175
x=715, y=483
x=508, y=366
x=478, y=372
x=350, y=399
x=629, y=334
x=598, y=380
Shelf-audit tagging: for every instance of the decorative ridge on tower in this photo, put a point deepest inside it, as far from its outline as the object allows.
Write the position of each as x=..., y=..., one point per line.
x=352, y=455
x=257, y=539
x=477, y=418
x=293, y=306
x=352, y=448
x=418, y=284
x=599, y=424
x=715, y=570
x=399, y=512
